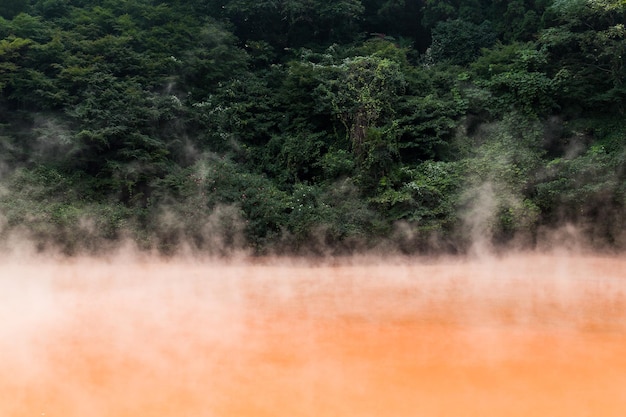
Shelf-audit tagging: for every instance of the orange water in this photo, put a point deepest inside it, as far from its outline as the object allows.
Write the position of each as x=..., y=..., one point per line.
x=527, y=335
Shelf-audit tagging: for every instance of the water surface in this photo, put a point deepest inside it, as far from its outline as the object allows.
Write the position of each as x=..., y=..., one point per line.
x=524, y=335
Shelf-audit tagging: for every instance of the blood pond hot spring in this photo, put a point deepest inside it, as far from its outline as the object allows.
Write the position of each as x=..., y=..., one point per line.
x=524, y=335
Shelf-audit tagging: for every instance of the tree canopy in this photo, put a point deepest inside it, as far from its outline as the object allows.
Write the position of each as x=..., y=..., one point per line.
x=311, y=126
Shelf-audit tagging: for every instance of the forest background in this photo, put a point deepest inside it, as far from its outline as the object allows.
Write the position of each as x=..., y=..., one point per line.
x=312, y=126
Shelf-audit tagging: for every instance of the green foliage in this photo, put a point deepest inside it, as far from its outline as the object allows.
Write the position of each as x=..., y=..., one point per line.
x=295, y=156
x=361, y=92
x=11, y=8
x=530, y=92
x=500, y=175
x=215, y=205
x=54, y=209
x=516, y=77
x=9, y=54
x=429, y=113
x=212, y=59
x=439, y=11
x=242, y=109
x=299, y=125
x=337, y=164
x=586, y=50
x=336, y=219
x=396, y=19
x=293, y=23
x=516, y=20
x=29, y=27
x=589, y=190
x=116, y=136
x=386, y=49
x=459, y=42
x=519, y=23
x=425, y=196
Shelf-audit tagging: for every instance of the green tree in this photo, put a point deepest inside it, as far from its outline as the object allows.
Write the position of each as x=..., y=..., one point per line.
x=429, y=113
x=517, y=77
x=459, y=42
x=11, y=8
x=586, y=50
x=10, y=50
x=119, y=136
x=292, y=23
x=396, y=18
x=362, y=92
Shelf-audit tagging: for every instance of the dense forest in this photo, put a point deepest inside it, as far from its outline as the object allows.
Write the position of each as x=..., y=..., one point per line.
x=312, y=126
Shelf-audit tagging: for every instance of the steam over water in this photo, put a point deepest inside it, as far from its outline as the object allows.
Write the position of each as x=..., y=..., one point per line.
x=525, y=335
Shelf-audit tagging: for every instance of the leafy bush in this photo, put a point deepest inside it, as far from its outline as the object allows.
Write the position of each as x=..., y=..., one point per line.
x=459, y=42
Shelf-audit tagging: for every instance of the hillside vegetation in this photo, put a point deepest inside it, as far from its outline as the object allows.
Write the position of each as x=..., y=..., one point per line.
x=311, y=125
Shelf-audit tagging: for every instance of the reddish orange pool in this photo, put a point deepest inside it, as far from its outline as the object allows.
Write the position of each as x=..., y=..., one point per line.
x=525, y=335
